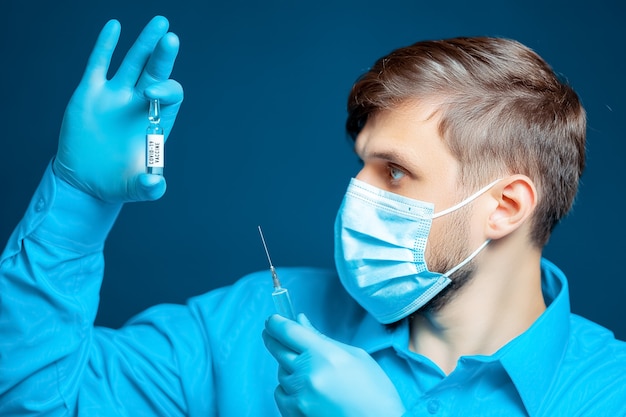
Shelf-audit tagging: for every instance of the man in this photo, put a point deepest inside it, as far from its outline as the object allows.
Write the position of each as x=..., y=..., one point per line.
x=441, y=303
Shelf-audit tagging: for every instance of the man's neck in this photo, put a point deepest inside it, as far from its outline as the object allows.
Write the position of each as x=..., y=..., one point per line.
x=498, y=304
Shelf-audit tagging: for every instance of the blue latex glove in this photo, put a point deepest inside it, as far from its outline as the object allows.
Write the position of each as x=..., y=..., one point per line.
x=321, y=377
x=102, y=140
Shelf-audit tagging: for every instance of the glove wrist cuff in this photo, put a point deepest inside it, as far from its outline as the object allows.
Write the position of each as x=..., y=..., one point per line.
x=68, y=217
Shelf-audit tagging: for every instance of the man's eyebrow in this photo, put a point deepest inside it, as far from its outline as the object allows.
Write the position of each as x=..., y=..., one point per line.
x=396, y=156
x=392, y=156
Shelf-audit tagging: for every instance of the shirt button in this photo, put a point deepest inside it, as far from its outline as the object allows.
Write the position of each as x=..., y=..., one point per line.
x=433, y=406
x=40, y=205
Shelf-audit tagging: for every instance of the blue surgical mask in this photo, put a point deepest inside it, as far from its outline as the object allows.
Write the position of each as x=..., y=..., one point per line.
x=380, y=241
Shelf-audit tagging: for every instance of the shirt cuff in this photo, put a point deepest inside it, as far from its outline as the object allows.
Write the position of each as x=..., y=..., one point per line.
x=67, y=217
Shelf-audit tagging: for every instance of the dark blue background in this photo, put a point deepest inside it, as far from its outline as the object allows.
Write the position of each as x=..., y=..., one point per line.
x=260, y=136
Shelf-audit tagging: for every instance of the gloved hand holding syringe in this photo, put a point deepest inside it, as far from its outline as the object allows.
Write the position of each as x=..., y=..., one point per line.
x=282, y=301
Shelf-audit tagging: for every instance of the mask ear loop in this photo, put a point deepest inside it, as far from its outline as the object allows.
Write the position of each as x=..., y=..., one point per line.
x=456, y=207
x=469, y=258
x=466, y=201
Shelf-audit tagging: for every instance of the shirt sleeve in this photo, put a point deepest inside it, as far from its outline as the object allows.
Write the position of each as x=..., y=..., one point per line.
x=205, y=358
x=50, y=275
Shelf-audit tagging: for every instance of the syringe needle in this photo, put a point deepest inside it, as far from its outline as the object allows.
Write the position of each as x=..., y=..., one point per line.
x=272, y=269
x=280, y=295
x=265, y=247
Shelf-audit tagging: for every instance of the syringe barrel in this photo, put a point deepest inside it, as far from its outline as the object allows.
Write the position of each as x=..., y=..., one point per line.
x=282, y=302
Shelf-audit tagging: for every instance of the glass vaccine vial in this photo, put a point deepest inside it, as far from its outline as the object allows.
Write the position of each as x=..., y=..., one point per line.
x=155, y=140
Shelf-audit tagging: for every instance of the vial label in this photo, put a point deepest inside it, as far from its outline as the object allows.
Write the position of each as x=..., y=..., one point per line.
x=154, y=151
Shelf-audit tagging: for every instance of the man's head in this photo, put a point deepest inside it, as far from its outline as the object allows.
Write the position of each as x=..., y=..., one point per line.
x=501, y=111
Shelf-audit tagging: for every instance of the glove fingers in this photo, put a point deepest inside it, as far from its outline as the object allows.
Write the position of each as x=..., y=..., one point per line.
x=304, y=320
x=169, y=92
x=283, y=355
x=135, y=60
x=161, y=62
x=287, y=404
x=147, y=187
x=294, y=335
x=100, y=57
x=284, y=378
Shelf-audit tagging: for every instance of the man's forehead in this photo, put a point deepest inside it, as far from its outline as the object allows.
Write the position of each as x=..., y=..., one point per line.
x=397, y=124
x=417, y=110
x=408, y=136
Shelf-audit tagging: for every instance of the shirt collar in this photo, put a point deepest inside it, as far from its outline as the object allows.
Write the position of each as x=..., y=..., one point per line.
x=532, y=358
x=373, y=336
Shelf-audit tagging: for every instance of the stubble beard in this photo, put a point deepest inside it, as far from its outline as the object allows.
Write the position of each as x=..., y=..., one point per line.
x=446, y=253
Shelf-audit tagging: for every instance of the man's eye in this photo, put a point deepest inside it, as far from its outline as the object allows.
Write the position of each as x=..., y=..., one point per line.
x=396, y=174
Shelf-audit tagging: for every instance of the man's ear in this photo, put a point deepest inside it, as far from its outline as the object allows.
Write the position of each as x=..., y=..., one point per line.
x=516, y=198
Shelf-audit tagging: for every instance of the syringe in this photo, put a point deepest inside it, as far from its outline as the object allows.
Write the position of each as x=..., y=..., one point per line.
x=281, y=298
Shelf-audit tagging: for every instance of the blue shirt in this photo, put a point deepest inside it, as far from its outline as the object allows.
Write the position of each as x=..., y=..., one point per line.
x=207, y=358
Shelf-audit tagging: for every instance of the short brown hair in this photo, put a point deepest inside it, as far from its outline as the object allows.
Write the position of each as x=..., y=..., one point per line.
x=502, y=111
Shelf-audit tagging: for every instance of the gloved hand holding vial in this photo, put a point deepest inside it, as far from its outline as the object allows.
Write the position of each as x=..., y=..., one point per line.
x=102, y=142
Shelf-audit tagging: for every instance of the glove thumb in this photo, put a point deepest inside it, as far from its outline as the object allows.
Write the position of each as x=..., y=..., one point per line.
x=147, y=187
x=304, y=321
